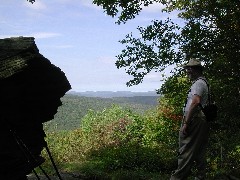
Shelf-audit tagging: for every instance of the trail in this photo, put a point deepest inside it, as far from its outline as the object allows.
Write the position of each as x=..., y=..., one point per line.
x=64, y=176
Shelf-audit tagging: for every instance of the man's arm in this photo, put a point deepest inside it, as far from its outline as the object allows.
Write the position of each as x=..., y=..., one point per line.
x=192, y=109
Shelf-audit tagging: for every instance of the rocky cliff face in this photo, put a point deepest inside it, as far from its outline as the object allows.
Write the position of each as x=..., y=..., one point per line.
x=29, y=82
x=30, y=91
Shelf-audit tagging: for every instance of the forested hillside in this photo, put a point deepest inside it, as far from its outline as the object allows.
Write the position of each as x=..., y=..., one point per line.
x=75, y=107
x=111, y=94
x=117, y=139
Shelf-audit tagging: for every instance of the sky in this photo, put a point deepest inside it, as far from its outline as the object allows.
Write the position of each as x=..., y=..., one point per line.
x=80, y=39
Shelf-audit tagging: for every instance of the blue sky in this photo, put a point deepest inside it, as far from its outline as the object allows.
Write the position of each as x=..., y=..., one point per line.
x=80, y=38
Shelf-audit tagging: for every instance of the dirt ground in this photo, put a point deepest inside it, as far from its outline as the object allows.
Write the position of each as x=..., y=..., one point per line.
x=72, y=176
x=64, y=176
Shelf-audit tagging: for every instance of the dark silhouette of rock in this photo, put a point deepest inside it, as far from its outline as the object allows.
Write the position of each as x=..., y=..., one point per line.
x=30, y=92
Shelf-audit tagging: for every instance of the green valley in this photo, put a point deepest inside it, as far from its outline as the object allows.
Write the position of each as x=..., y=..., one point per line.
x=75, y=107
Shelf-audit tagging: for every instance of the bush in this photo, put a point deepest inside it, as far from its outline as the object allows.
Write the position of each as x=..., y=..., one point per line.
x=122, y=139
x=118, y=139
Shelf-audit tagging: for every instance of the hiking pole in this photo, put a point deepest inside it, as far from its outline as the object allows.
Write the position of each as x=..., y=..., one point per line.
x=35, y=173
x=28, y=153
x=53, y=163
x=44, y=172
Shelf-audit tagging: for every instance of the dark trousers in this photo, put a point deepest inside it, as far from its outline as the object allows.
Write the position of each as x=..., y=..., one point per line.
x=192, y=149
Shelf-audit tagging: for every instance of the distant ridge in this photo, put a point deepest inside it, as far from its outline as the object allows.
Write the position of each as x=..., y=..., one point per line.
x=75, y=107
x=111, y=94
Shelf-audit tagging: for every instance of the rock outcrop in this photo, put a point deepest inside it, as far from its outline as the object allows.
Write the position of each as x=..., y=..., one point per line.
x=31, y=88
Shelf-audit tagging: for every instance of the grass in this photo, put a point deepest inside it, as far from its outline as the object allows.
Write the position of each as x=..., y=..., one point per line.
x=94, y=170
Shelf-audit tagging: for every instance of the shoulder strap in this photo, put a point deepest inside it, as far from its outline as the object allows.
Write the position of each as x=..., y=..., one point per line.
x=209, y=98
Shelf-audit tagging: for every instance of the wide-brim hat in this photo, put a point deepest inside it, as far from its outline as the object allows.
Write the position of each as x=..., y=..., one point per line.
x=193, y=62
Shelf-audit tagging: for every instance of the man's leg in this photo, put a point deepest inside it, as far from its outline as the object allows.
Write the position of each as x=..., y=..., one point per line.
x=201, y=162
x=191, y=148
x=185, y=158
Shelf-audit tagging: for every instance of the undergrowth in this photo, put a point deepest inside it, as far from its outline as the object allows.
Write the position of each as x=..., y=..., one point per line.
x=117, y=143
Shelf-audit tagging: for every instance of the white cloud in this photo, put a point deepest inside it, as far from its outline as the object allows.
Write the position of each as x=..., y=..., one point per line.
x=86, y=3
x=39, y=35
x=156, y=10
x=7, y=36
x=44, y=35
x=152, y=76
x=107, y=60
x=153, y=8
x=62, y=46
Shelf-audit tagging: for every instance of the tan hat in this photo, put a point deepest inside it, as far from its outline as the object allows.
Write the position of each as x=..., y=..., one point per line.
x=193, y=62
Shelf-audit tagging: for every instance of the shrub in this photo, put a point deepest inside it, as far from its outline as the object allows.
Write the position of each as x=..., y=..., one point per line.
x=120, y=139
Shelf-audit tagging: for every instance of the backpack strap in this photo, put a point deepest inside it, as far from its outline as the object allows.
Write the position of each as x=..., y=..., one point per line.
x=209, y=98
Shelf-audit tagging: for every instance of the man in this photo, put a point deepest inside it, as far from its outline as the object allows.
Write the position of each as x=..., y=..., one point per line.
x=194, y=131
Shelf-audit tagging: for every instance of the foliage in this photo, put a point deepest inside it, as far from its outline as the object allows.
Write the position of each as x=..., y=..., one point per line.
x=154, y=50
x=175, y=97
x=117, y=140
x=75, y=107
x=130, y=8
x=31, y=1
x=223, y=155
x=66, y=146
x=121, y=139
x=210, y=31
